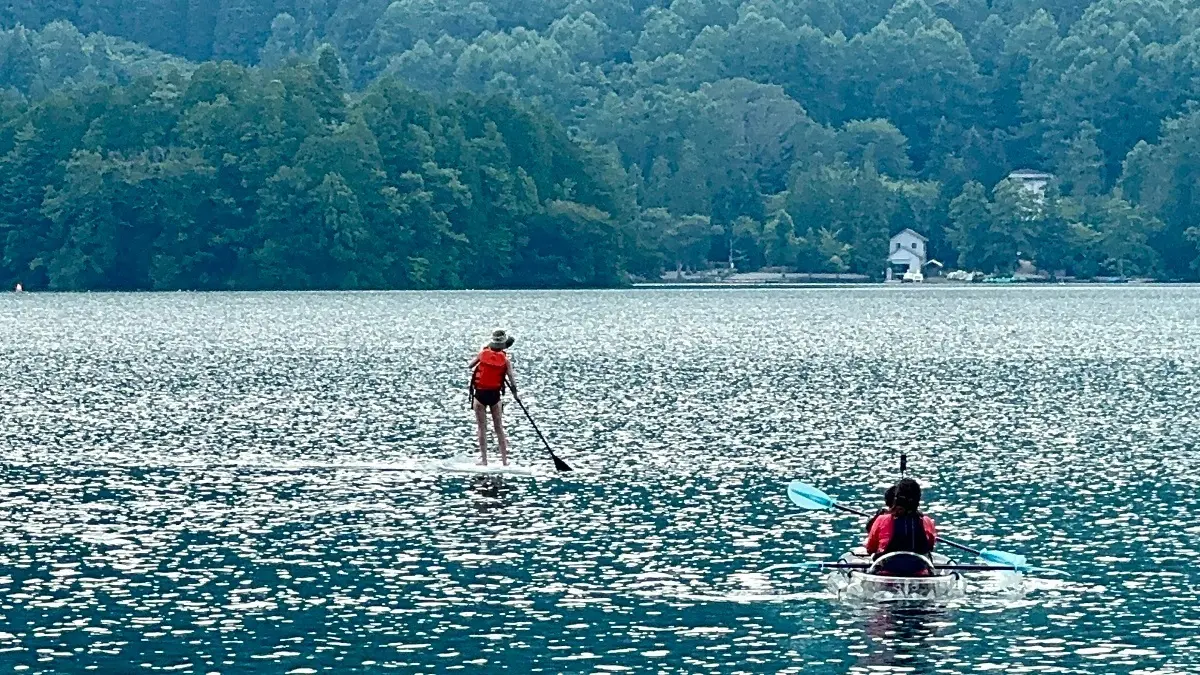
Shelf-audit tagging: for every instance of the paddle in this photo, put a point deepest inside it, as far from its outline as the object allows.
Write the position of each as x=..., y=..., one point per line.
x=808, y=497
x=863, y=566
x=558, y=463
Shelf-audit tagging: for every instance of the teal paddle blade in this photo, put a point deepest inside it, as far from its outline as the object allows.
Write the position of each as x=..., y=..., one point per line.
x=1002, y=558
x=808, y=497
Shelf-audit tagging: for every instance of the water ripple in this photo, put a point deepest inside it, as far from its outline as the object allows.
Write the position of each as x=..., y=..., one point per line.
x=251, y=483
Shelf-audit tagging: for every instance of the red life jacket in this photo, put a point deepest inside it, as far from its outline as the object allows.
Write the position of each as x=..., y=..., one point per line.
x=908, y=533
x=489, y=374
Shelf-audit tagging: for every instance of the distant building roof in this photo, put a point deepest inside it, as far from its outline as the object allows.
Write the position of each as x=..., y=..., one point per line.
x=1030, y=174
x=905, y=256
x=911, y=231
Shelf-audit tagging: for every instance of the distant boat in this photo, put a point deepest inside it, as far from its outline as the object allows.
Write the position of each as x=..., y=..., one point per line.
x=19, y=289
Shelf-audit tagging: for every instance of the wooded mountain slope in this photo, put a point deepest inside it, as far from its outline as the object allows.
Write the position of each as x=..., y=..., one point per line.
x=798, y=133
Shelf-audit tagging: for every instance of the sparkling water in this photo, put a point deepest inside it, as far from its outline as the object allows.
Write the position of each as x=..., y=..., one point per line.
x=250, y=483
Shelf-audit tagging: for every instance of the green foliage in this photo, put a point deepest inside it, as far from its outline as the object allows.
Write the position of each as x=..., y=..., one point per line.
x=782, y=246
x=280, y=179
x=1163, y=179
x=693, y=126
x=34, y=63
x=970, y=219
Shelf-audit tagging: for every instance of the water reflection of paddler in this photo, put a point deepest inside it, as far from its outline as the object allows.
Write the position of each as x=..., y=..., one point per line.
x=899, y=635
x=494, y=491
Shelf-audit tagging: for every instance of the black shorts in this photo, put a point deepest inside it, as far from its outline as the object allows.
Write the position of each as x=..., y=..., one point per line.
x=487, y=397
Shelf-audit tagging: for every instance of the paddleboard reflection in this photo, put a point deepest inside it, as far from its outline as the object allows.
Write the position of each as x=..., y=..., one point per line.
x=492, y=493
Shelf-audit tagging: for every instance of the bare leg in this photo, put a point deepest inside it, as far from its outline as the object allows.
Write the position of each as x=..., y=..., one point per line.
x=501, y=439
x=481, y=424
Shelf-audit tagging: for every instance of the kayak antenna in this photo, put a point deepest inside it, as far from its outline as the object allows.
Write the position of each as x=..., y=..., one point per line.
x=903, y=464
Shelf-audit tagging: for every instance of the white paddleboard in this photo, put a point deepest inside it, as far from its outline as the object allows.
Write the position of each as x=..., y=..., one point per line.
x=471, y=466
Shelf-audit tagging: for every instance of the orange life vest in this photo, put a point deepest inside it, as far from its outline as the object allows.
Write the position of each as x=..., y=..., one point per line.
x=489, y=374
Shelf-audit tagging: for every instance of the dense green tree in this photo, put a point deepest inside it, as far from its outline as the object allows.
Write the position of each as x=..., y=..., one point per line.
x=833, y=253
x=18, y=61
x=284, y=42
x=1192, y=234
x=109, y=212
x=240, y=29
x=877, y=143
x=665, y=32
x=1015, y=219
x=1082, y=165
x=856, y=119
x=1123, y=244
x=314, y=236
x=1163, y=178
x=970, y=221
x=782, y=244
x=687, y=242
x=279, y=179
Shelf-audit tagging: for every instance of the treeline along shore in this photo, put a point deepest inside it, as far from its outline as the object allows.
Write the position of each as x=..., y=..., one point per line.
x=246, y=144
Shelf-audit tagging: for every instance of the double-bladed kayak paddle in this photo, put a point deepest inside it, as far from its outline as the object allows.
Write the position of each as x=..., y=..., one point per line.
x=808, y=497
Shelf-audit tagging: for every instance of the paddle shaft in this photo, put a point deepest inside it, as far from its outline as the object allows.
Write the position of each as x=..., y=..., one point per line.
x=848, y=509
x=558, y=463
x=963, y=568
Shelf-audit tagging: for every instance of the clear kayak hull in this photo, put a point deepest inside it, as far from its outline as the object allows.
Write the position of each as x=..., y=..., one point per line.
x=866, y=585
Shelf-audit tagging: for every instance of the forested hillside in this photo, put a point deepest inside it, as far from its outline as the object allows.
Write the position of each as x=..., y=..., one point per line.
x=237, y=178
x=797, y=133
x=34, y=63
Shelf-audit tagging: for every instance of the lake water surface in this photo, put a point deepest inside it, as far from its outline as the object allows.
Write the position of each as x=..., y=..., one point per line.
x=248, y=483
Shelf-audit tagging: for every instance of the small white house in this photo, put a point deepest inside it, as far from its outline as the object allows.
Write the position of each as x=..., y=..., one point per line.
x=907, y=252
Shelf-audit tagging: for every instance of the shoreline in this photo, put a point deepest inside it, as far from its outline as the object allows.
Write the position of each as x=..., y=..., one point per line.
x=848, y=280
x=878, y=284
x=639, y=286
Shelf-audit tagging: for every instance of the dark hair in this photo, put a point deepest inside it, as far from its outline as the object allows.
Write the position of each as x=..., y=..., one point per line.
x=907, y=498
x=889, y=498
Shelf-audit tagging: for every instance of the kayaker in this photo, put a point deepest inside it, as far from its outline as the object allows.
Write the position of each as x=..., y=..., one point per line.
x=903, y=528
x=889, y=499
x=490, y=371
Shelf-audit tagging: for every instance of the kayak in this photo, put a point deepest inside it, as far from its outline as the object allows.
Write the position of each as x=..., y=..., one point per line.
x=857, y=575
x=866, y=584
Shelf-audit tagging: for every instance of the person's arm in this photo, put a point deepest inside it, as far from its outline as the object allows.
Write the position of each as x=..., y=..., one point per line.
x=871, y=521
x=872, y=544
x=930, y=531
x=512, y=378
x=474, y=362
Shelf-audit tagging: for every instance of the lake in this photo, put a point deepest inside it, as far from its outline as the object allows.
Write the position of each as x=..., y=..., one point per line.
x=248, y=483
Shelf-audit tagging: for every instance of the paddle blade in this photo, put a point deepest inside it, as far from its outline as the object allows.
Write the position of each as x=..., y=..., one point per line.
x=1002, y=558
x=560, y=465
x=808, y=497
